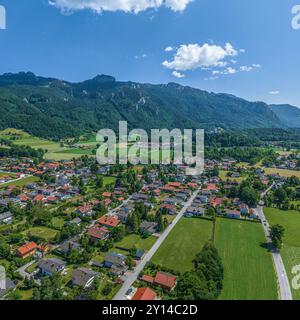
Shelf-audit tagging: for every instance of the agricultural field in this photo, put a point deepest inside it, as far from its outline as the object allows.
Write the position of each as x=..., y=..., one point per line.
x=290, y=251
x=248, y=268
x=54, y=150
x=282, y=172
x=183, y=243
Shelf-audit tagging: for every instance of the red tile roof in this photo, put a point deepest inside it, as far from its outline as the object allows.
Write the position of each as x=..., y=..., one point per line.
x=27, y=248
x=211, y=187
x=39, y=197
x=109, y=221
x=106, y=194
x=144, y=294
x=147, y=278
x=166, y=280
x=98, y=232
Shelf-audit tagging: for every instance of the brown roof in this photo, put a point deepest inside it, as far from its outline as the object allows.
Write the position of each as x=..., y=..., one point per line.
x=144, y=294
x=165, y=279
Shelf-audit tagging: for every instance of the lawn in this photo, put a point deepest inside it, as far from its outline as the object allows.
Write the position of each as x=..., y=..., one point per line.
x=137, y=241
x=42, y=232
x=290, y=252
x=248, y=266
x=57, y=223
x=108, y=180
x=224, y=177
x=183, y=243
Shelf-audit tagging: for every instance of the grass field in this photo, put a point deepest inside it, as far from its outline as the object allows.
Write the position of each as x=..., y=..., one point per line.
x=224, y=177
x=20, y=183
x=282, y=172
x=135, y=240
x=183, y=243
x=290, y=252
x=42, y=232
x=248, y=266
x=109, y=180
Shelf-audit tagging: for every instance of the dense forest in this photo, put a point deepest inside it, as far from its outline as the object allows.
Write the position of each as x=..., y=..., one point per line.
x=55, y=109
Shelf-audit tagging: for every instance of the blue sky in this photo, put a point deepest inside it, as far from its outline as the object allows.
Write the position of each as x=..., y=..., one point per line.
x=244, y=47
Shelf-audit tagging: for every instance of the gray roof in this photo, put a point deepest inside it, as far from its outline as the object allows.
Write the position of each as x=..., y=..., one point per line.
x=5, y=215
x=51, y=265
x=82, y=276
x=69, y=245
x=115, y=258
x=9, y=284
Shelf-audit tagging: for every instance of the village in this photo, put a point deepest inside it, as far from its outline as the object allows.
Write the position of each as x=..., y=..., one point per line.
x=92, y=225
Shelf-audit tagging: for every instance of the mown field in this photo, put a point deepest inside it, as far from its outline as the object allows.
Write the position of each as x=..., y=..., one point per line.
x=290, y=252
x=183, y=243
x=135, y=240
x=42, y=232
x=282, y=172
x=21, y=182
x=248, y=268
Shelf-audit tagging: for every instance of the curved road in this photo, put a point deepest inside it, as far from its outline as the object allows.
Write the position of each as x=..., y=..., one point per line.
x=132, y=277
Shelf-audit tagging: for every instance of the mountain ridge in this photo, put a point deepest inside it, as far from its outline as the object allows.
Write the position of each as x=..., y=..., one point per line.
x=54, y=108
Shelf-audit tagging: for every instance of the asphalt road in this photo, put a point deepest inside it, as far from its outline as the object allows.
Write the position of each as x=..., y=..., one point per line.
x=132, y=276
x=282, y=278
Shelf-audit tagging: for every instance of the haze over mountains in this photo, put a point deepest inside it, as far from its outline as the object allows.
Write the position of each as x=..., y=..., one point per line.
x=53, y=108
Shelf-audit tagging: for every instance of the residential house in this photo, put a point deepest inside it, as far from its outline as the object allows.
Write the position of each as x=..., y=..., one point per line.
x=27, y=250
x=97, y=233
x=195, y=211
x=116, y=262
x=144, y=294
x=148, y=227
x=49, y=266
x=139, y=254
x=109, y=221
x=68, y=246
x=6, y=218
x=244, y=209
x=4, y=289
x=83, y=277
x=234, y=214
x=165, y=280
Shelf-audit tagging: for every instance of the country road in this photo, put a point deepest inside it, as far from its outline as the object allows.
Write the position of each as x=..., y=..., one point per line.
x=282, y=278
x=132, y=277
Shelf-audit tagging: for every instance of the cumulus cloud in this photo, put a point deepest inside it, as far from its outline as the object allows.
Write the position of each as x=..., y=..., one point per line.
x=193, y=56
x=169, y=49
x=246, y=68
x=178, y=74
x=274, y=92
x=132, y=6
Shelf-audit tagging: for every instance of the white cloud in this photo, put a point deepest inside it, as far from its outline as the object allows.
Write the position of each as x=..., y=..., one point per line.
x=143, y=56
x=228, y=70
x=274, y=92
x=193, y=56
x=132, y=6
x=246, y=69
x=256, y=65
x=178, y=74
x=169, y=49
